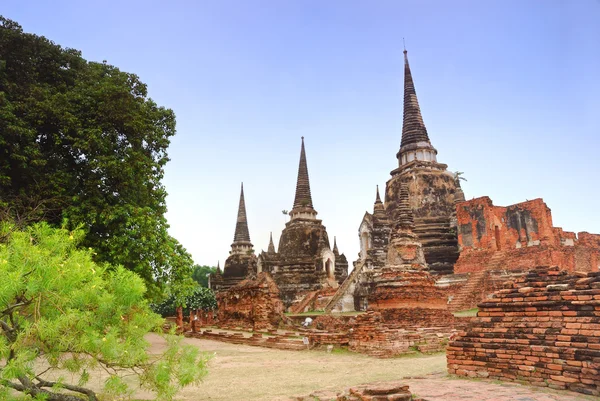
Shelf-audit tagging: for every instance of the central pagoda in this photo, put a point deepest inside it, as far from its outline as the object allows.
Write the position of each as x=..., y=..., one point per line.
x=433, y=190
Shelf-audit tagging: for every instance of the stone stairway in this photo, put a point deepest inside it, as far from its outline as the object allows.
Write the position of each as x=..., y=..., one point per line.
x=470, y=295
x=440, y=243
x=306, y=301
x=344, y=287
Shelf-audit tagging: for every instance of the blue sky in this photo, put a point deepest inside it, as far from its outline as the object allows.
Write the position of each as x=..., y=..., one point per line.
x=509, y=91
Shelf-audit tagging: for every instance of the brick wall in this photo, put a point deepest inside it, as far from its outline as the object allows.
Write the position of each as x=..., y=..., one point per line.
x=392, y=332
x=519, y=236
x=405, y=289
x=252, y=304
x=545, y=330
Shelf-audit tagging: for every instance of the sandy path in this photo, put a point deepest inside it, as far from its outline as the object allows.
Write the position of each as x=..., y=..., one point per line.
x=240, y=372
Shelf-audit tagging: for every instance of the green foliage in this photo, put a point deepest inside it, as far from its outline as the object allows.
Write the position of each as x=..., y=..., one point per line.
x=202, y=298
x=466, y=313
x=200, y=274
x=82, y=141
x=65, y=317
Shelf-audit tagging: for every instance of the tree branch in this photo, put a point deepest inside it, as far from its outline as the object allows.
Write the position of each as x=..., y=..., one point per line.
x=91, y=395
x=10, y=308
x=34, y=391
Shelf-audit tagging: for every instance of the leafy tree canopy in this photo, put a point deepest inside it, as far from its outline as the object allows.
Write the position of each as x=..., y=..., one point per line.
x=63, y=317
x=201, y=298
x=200, y=274
x=82, y=141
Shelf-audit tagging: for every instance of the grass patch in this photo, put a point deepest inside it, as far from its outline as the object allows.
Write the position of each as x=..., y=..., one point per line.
x=342, y=351
x=466, y=313
x=309, y=313
x=350, y=313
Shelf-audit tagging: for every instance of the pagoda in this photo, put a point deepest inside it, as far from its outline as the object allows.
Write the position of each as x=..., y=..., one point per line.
x=304, y=260
x=432, y=189
x=241, y=262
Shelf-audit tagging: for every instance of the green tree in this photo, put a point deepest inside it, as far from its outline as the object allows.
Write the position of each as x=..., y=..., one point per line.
x=82, y=141
x=64, y=316
x=200, y=274
x=201, y=298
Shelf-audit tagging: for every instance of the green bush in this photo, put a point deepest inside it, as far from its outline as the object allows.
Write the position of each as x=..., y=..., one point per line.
x=63, y=316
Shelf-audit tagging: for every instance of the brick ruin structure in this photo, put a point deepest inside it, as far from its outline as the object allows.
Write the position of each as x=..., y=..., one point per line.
x=432, y=193
x=242, y=261
x=433, y=190
x=544, y=330
x=304, y=261
x=386, y=391
x=501, y=243
x=251, y=304
x=401, y=297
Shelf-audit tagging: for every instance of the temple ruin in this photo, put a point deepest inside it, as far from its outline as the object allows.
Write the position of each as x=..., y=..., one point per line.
x=544, y=329
x=499, y=244
x=304, y=260
x=433, y=190
x=241, y=262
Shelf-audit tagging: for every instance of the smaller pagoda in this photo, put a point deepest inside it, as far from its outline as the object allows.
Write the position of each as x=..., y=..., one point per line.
x=241, y=263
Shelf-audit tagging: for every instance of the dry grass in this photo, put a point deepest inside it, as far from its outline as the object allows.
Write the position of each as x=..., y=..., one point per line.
x=467, y=313
x=239, y=372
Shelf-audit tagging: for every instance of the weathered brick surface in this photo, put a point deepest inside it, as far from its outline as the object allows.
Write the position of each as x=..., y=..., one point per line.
x=525, y=236
x=545, y=330
x=392, y=332
x=394, y=288
x=252, y=304
x=386, y=391
x=267, y=340
x=511, y=239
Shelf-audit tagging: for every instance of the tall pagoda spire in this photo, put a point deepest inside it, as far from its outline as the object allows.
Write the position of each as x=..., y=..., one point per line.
x=241, y=238
x=415, y=144
x=271, y=248
x=303, y=207
x=336, y=252
x=413, y=127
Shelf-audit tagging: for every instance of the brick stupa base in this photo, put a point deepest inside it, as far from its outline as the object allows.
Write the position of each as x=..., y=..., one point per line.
x=545, y=330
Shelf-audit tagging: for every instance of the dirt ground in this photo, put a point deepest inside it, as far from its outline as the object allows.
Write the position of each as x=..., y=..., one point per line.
x=240, y=372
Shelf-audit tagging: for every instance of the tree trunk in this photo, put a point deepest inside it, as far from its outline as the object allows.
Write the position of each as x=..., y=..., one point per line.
x=179, y=319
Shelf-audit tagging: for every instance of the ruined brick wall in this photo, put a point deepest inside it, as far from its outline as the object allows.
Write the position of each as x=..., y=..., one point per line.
x=387, y=391
x=417, y=317
x=481, y=225
x=374, y=335
x=519, y=237
x=331, y=323
x=252, y=304
x=404, y=289
x=545, y=330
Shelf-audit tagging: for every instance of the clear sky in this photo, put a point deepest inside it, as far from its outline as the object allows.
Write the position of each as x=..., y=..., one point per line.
x=509, y=91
